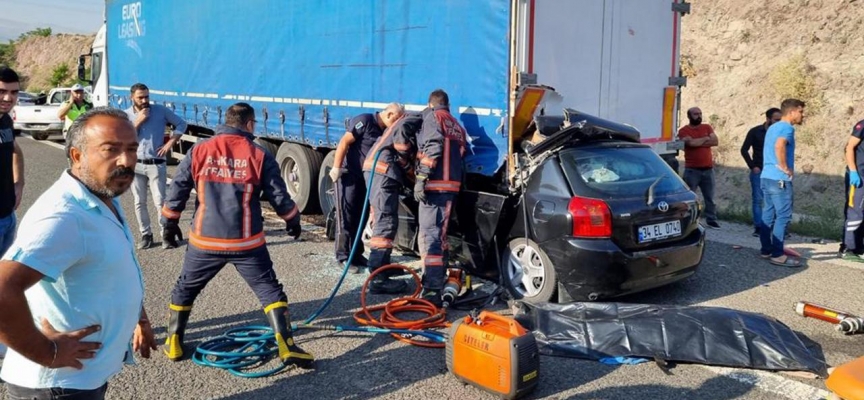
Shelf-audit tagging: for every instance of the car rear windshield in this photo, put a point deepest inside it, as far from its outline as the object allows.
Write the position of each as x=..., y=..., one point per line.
x=610, y=171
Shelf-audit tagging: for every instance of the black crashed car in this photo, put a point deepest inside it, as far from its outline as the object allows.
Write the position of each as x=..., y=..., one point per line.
x=595, y=214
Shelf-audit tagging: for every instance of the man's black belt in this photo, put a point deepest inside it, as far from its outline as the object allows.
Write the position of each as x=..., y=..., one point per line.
x=152, y=161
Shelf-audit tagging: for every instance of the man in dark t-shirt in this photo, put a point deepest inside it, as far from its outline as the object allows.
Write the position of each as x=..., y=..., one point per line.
x=755, y=140
x=347, y=174
x=11, y=163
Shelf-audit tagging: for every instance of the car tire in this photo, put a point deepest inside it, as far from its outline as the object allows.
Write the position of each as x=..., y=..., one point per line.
x=538, y=287
x=39, y=135
x=299, y=166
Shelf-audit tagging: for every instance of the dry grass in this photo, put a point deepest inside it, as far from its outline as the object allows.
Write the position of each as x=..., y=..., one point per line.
x=37, y=57
x=796, y=79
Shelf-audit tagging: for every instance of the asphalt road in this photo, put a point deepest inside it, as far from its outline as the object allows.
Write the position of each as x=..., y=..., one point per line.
x=355, y=366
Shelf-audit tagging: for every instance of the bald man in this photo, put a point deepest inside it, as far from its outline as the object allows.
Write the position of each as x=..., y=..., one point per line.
x=698, y=140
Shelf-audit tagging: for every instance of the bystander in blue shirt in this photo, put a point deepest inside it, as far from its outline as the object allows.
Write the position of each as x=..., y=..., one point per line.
x=151, y=133
x=776, y=131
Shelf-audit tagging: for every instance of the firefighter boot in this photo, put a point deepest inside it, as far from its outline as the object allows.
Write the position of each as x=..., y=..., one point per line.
x=177, y=318
x=289, y=352
x=383, y=282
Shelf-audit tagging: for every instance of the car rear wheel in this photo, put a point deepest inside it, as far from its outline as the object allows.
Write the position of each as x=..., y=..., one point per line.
x=39, y=135
x=528, y=273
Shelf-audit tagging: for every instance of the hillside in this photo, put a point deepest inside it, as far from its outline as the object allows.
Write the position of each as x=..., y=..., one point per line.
x=744, y=56
x=37, y=57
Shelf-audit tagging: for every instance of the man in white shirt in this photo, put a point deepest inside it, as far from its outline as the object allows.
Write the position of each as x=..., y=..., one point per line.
x=72, y=271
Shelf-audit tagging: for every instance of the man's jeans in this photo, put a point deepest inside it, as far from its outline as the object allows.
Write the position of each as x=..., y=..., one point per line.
x=703, y=179
x=776, y=216
x=154, y=177
x=7, y=236
x=21, y=393
x=756, y=195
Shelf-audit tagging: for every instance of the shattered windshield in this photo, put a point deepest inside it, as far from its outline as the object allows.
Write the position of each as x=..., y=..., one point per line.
x=619, y=171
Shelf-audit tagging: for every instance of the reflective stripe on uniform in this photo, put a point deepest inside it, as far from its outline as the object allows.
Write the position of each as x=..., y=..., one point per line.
x=202, y=206
x=169, y=213
x=247, y=213
x=290, y=214
x=433, y=261
x=381, y=243
x=381, y=167
x=443, y=186
x=214, y=244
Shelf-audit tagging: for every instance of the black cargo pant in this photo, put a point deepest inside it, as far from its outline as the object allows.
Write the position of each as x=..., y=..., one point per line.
x=255, y=266
x=350, y=195
x=854, y=211
x=434, y=216
x=21, y=393
x=384, y=214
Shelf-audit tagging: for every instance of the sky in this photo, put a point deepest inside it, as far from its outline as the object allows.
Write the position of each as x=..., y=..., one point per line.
x=62, y=16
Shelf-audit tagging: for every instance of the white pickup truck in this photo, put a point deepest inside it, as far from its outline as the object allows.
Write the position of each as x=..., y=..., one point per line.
x=40, y=120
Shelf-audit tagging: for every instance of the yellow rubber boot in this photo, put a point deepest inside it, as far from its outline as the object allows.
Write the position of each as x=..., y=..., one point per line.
x=289, y=352
x=177, y=318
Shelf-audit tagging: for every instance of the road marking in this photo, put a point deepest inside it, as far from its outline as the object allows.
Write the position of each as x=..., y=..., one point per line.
x=772, y=382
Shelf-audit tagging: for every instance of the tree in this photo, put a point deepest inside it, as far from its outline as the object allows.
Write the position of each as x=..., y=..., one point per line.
x=39, y=32
x=7, y=53
x=59, y=75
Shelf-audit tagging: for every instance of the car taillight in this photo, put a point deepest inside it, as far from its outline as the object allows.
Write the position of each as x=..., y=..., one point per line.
x=591, y=218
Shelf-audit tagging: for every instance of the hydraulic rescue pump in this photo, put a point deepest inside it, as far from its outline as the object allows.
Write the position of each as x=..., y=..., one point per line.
x=494, y=353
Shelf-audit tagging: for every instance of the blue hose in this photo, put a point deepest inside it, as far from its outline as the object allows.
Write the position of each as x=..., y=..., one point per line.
x=253, y=346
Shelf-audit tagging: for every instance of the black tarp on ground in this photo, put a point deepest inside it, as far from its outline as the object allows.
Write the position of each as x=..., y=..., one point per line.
x=701, y=335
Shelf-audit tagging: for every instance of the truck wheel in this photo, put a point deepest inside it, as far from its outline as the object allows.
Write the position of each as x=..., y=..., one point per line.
x=39, y=135
x=269, y=147
x=326, y=187
x=300, y=166
x=528, y=273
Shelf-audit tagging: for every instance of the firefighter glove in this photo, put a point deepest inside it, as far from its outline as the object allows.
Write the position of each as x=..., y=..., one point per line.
x=420, y=189
x=335, y=173
x=171, y=233
x=292, y=226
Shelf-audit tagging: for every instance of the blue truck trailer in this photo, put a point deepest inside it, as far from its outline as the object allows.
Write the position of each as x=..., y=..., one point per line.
x=308, y=66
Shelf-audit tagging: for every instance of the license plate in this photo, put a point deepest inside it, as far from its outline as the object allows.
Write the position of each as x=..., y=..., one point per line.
x=659, y=231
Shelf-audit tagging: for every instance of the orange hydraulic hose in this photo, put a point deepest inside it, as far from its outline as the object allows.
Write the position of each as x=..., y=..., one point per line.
x=388, y=318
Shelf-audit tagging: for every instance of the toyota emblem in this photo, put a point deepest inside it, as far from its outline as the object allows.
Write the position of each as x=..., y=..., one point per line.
x=663, y=206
